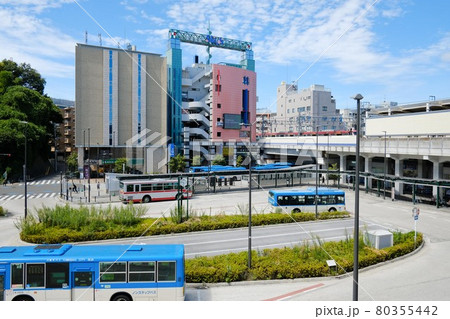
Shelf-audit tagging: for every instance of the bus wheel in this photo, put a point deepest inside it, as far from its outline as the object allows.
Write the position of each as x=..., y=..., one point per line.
x=23, y=298
x=332, y=209
x=121, y=297
x=296, y=210
x=146, y=199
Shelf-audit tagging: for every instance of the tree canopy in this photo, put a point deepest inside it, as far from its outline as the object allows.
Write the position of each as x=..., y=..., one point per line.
x=177, y=164
x=25, y=112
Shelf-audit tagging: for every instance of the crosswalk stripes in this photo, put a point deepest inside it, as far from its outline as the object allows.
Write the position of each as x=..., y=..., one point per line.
x=43, y=182
x=30, y=196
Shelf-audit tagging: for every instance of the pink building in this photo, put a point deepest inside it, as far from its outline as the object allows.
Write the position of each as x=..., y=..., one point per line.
x=233, y=103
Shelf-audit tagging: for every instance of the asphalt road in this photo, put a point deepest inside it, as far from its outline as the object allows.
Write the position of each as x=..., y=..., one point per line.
x=422, y=276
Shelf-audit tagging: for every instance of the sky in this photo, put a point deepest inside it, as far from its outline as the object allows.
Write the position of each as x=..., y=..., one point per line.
x=386, y=50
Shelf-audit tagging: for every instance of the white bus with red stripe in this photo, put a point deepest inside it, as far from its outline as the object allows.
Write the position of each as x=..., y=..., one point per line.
x=149, y=190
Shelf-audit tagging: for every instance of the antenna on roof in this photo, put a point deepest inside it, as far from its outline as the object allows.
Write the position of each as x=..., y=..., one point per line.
x=85, y=37
x=100, y=39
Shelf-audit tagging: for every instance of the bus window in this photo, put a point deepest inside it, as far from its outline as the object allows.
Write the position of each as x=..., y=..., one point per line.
x=35, y=275
x=340, y=199
x=283, y=200
x=83, y=278
x=57, y=275
x=16, y=275
x=141, y=271
x=130, y=188
x=113, y=272
x=158, y=187
x=166, y=271
x=168, y=186
x=146, y=187
x=309, y=200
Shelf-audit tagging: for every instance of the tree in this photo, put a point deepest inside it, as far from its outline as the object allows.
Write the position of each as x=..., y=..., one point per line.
x=334, y=177
x=120, y=162
x=197, y=160
x=72, y=162
x=177, y=164
x=24, y=75
x=22, y=100
x=239, y=160
x=219, y=160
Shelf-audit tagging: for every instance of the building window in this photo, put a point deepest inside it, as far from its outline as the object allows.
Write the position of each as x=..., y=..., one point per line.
x=218, y=88
x=245, y=80
x=324, y=108
x=219, y=106
x=219, y=134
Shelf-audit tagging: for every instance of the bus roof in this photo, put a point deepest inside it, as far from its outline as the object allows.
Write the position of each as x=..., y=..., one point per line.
x=86, y=253
x=308, y=191
x=149, y=181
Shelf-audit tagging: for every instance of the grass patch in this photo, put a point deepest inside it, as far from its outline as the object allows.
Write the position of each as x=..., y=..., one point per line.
x=307, y=260
x=66, y=224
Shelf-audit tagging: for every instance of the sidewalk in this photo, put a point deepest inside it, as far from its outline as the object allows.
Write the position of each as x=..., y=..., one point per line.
x=97, y=193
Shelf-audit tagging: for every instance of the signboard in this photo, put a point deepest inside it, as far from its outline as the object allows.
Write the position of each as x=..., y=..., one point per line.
x=109, y=161
x=232, y=121
x=86, y=171
x=415, y=213
x=171, y=150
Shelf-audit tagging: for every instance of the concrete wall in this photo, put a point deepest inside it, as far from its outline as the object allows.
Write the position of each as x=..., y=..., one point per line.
x=427, y=123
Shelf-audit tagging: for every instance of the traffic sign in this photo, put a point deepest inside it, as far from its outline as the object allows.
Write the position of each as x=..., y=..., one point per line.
x=415, y=213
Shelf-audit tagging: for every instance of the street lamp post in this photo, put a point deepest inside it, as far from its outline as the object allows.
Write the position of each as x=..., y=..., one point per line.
x=317, y=170
x=25, y=169
x=89, y=165
x=56, y=152
x=358, y=99
x=384, y=167
x=249, y=196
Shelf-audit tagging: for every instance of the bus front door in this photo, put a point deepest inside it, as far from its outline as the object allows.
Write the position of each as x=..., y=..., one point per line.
x=83, y=284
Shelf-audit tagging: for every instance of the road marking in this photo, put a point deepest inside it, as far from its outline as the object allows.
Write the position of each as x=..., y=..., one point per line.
x=296, y=292
x=30, y=196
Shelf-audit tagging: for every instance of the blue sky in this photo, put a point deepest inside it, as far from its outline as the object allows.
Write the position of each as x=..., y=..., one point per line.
x=387, y=50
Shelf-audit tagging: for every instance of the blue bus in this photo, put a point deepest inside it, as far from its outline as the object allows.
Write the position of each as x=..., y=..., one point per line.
x=92, y=272
x=303, y=200
x=272, y=166
x=215, y=168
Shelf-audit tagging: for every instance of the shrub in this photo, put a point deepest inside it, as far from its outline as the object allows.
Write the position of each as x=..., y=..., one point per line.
x=297, y=262
x=3, y=211
x=90, y=223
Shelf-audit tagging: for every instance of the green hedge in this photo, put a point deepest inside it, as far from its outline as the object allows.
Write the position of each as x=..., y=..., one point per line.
x=298, y=262
x=66, y=224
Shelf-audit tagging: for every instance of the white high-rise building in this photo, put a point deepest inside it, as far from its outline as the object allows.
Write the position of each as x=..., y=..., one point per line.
x=304, y=110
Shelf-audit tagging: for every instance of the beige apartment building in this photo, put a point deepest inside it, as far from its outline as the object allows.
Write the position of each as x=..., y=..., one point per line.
x=121, y=108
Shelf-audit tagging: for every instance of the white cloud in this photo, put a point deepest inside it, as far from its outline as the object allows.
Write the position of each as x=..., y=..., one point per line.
x=26, y=38
x=35, y=6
